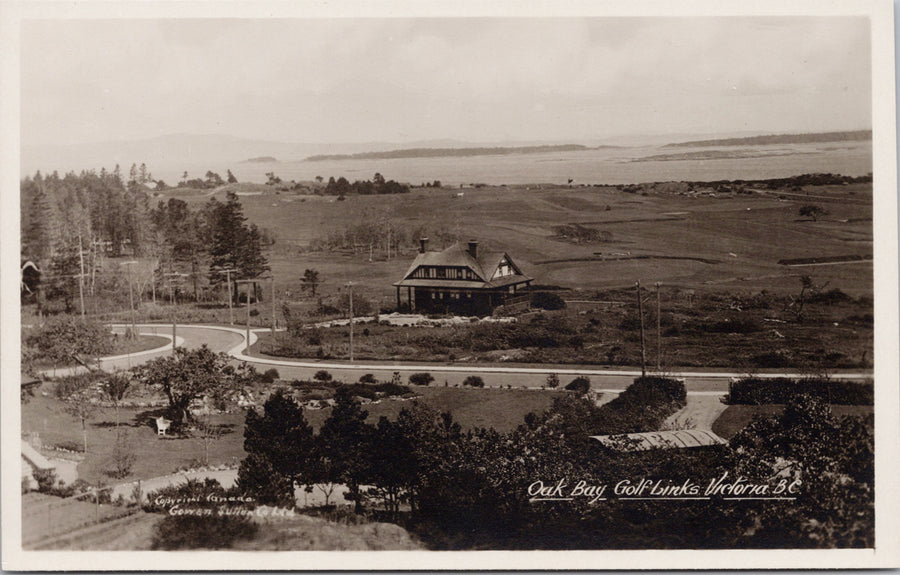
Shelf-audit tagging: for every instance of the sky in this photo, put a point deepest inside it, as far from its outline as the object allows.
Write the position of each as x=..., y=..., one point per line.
x=469, y=79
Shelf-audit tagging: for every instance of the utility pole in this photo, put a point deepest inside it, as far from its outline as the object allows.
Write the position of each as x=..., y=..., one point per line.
x=247, y=282
x=170, y=278
x=228, y=272
x=641, y=315
x=350, y=288
x=274, y=326
x=658, y=332
x=131, y=298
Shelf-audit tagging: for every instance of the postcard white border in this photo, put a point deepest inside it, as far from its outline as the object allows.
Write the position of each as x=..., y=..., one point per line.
x=887, y=374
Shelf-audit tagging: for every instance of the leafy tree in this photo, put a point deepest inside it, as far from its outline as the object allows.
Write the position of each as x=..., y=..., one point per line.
x=115, y=387
x=813, y=211
x=65, y=339
x=79, y=405
x=280, y=442
x=547, y=300
x=345, y=440
x=421, y=378
x=192, y=374
x=473, y=381
x=231, y=178
x=552, y=381
x=361, y=304
x=579, y=385
x=311, y=281
x=833, y=464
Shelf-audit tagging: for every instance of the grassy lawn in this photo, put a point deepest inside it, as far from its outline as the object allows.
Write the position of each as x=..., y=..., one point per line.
x=472, y=408
x=736, y=417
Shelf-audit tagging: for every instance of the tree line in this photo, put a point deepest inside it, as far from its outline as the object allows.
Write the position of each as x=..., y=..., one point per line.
x=377, y=185
x=76, y=229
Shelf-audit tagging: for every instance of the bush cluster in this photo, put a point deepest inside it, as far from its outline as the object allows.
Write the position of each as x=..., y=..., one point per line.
x=643, y=406
x=760, y=391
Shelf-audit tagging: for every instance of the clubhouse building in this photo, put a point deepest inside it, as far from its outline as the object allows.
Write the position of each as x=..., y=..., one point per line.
x=461, y=280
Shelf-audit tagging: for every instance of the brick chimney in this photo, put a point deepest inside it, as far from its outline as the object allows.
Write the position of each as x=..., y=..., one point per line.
x=423, y=245
x=473, y=249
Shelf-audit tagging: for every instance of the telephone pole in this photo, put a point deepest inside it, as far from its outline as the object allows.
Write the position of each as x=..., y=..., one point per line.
x=350, y=289
x=658, y=333
x=228, y=272
x=131, y=298
x=247, y=282
x=641, y=315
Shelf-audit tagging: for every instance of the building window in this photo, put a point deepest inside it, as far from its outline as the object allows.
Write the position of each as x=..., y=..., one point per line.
x=459, y=273
x=442, y=272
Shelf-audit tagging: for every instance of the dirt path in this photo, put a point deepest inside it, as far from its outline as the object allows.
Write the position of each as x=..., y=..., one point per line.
x=699, y=413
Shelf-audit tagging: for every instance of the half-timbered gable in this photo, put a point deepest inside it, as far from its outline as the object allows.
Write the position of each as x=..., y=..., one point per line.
x=460, y=279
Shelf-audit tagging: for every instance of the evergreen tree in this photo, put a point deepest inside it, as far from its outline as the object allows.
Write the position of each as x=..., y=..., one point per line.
x=233, y=244
x=37, y=222
x=279, y=443
x=346, y=439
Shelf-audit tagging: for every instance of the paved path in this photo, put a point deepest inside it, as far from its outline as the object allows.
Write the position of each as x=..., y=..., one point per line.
x=232, y=340
x=699, y=413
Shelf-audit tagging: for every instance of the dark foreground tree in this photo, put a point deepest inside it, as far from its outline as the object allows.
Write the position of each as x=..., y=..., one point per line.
x=280, y=446
x=345, y=439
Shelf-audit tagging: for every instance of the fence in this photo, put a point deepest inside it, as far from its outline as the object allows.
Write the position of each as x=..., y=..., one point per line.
x=45, y=516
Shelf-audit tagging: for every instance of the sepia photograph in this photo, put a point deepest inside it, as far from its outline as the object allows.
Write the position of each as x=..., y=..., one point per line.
x=404, y=279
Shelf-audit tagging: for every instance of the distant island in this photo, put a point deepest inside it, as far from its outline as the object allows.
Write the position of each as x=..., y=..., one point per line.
x=261, y=160
x=854, y=136
x=450, y=152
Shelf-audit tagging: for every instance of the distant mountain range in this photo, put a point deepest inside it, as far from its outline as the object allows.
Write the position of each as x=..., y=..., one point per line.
x=773, y=139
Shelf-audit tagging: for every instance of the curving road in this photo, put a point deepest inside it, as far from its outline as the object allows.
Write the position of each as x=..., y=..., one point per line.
x=232, y=340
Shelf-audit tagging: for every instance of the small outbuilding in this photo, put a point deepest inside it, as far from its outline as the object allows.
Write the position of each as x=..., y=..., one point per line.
x=680, y=439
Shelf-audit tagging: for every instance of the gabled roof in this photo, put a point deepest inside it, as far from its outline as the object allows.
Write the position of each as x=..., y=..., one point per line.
x=457, y=255
x=680, y=439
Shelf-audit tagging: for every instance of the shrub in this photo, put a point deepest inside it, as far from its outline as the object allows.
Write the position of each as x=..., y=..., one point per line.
x=579, y=385
x=368, y=378
x=421, y=378
x=643, y=406
x=268, y=376
x=760, y=391
x=474, y=381
x=202, y=532
x=547, y=300
x=322, y=376
x=64, y=337
x=552, y=381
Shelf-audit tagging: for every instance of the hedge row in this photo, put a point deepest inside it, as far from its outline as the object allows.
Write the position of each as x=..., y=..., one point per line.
x=759, y=391
x=643, y=406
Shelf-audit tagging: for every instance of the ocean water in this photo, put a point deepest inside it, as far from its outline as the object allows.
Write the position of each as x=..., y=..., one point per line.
x=615, y=166
x=605, y=166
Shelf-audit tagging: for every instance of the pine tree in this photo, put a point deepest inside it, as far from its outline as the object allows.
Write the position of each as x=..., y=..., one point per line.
x=346, y=439
x=37, y=223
